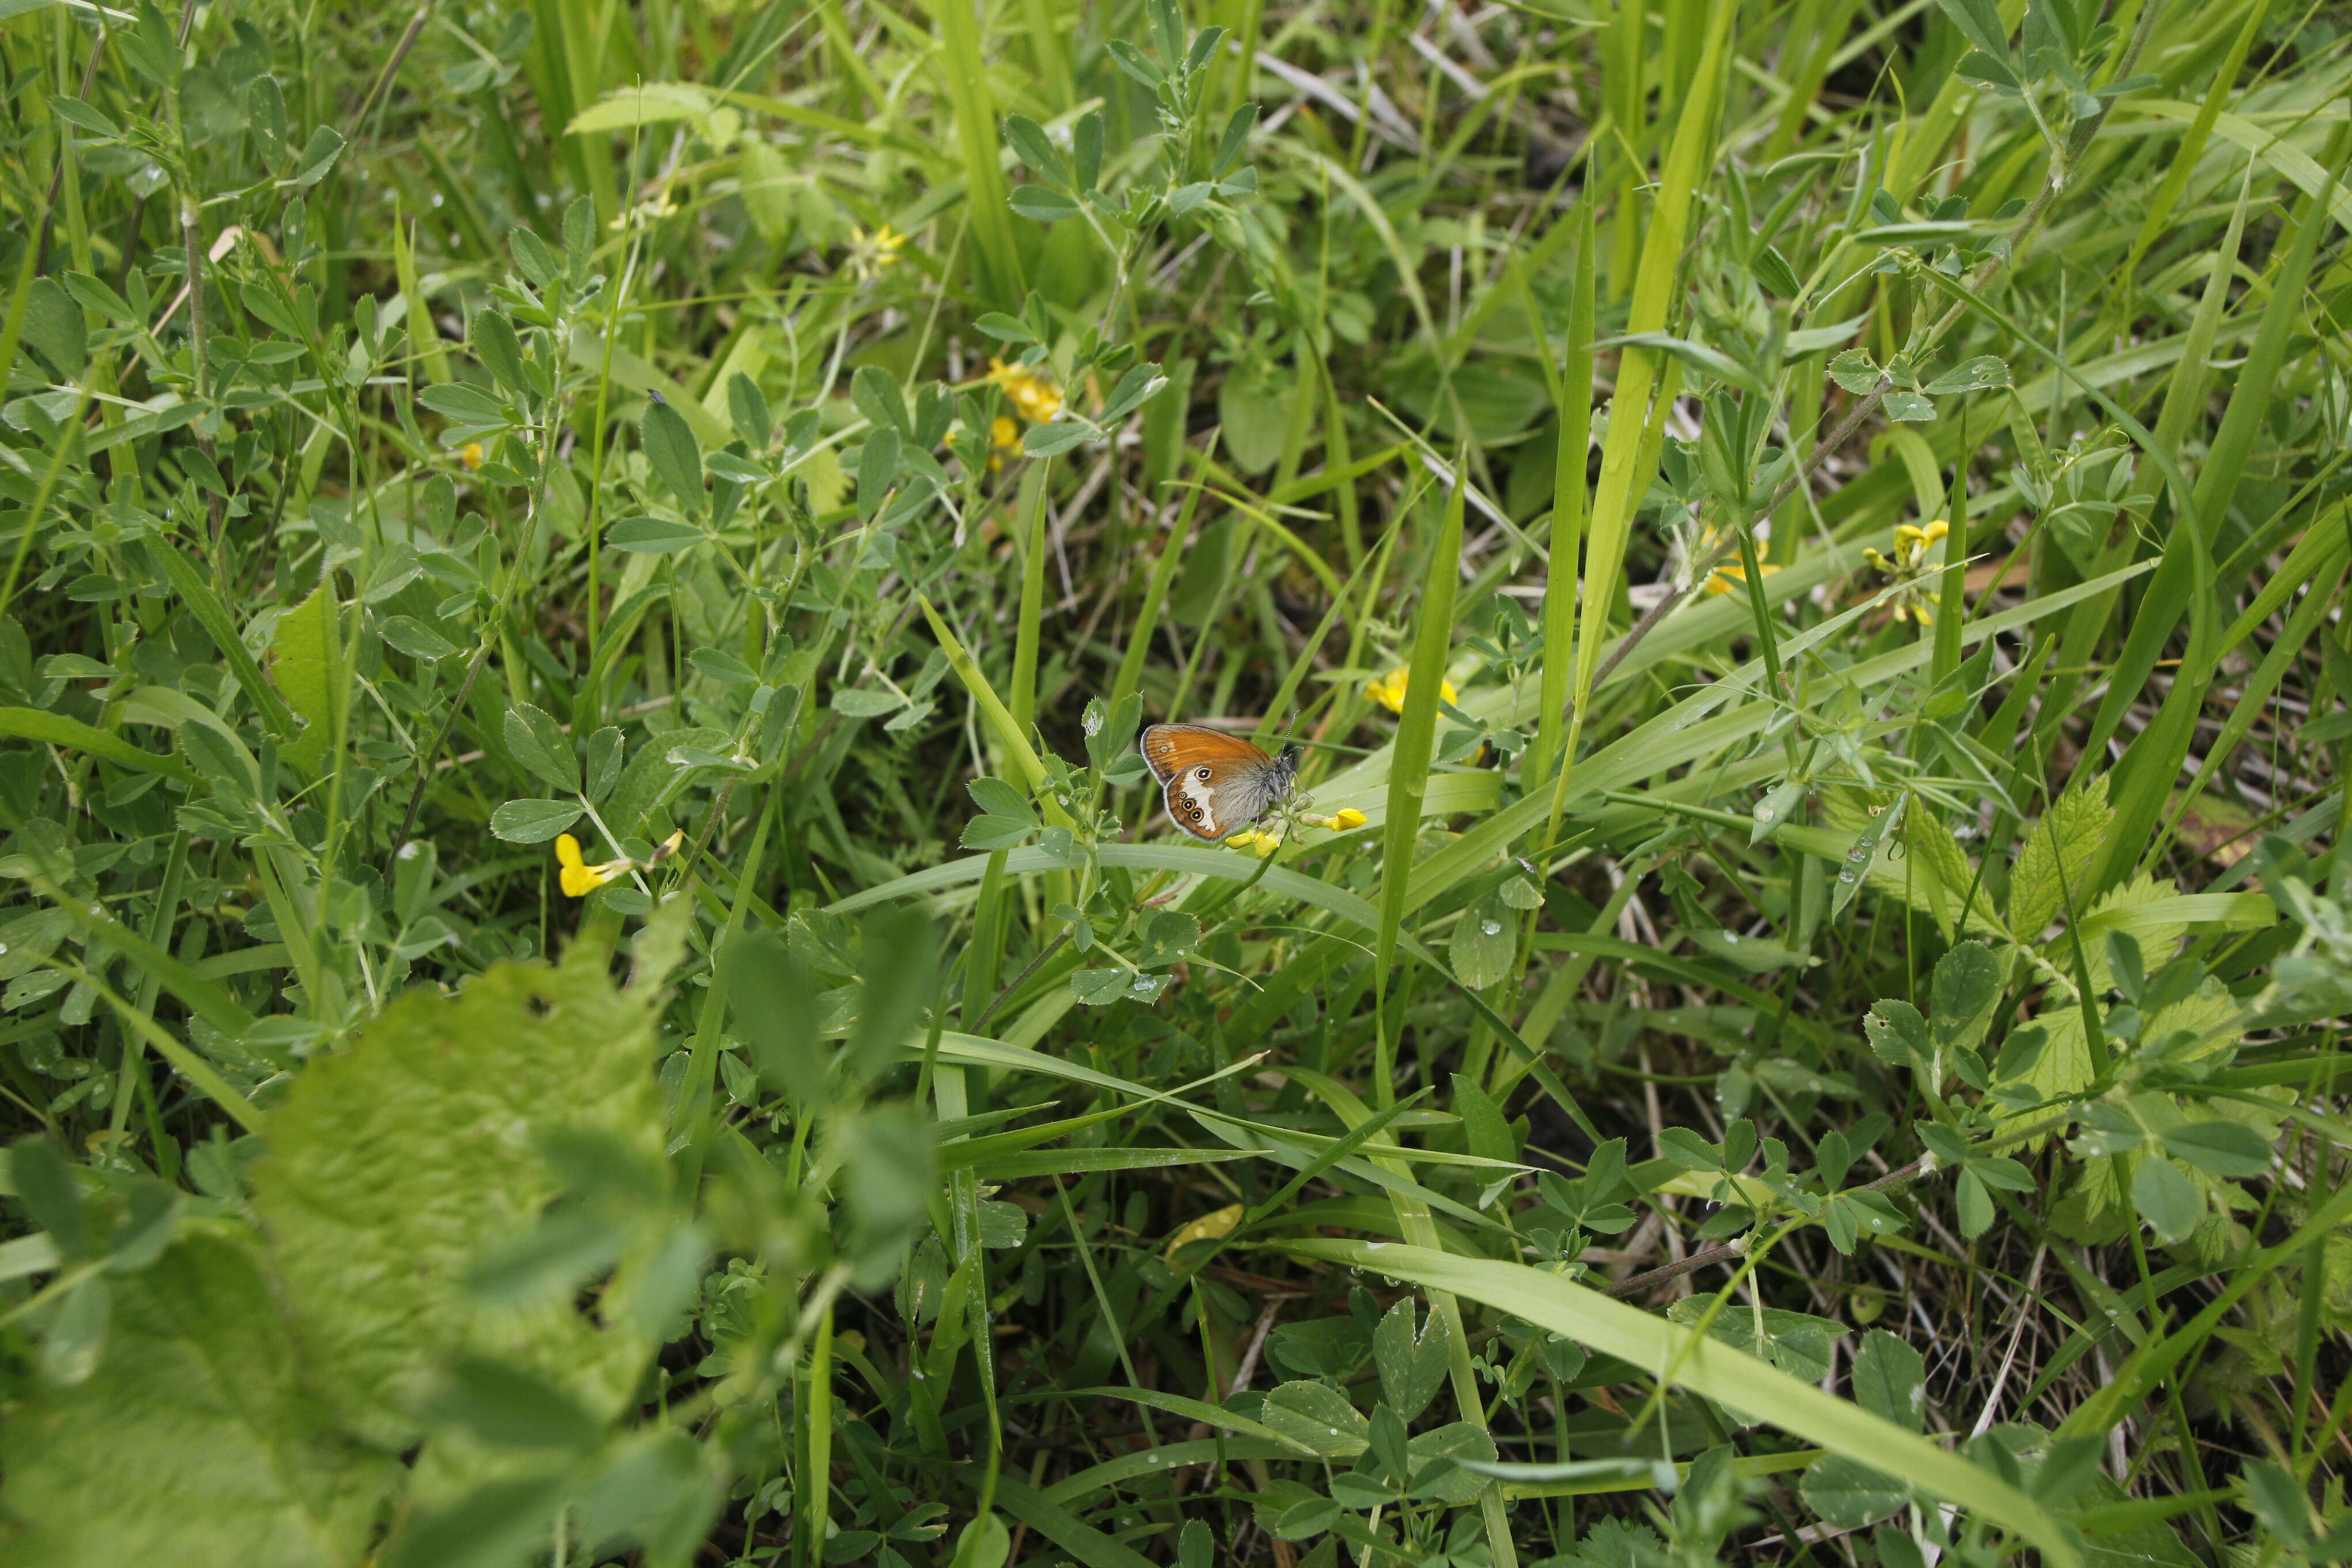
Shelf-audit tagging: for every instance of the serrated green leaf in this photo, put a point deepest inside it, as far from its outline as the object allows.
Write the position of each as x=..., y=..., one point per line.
x=397, y=1161
x=2067, y=837
x=195, y=1441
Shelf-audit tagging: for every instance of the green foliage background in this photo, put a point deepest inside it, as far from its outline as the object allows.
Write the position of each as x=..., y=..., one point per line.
x=592, y=973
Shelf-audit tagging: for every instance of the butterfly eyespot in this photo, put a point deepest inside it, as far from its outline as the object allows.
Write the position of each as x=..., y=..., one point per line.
x=1202, y=773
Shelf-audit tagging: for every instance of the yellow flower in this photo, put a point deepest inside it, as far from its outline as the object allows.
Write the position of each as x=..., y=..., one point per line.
x=472, y=456
x=1034, y=397
x=1727, y=573
x=1910, y=568
x=873, y=252
x=1004, y=438
x=580, y=878
x=1262, y=844
x=1388, y=690
x=1347, y=821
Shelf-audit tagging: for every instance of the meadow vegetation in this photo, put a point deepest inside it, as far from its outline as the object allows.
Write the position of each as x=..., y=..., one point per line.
x=593, y=975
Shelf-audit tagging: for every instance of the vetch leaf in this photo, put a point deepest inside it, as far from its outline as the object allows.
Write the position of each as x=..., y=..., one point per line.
x=2221, y=1148
x=1978, y=375
x=533, y=821
x=2166, y=1198
x=673, y=453
x=1317, y=1417
x=1412, y=1366
x=539, y=743
x=406, y=634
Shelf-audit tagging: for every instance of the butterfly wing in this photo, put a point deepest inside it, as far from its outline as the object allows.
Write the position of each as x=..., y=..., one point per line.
x=1212, y=783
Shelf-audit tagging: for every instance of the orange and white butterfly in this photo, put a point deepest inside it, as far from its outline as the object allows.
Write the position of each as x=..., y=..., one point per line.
x=1213, y=783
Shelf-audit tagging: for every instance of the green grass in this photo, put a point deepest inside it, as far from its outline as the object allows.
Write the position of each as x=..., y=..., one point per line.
x=592, y=973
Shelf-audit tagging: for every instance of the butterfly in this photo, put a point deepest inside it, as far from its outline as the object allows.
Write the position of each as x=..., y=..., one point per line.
x=1214, y=783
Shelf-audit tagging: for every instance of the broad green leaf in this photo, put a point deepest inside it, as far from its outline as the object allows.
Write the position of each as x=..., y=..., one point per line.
x=407, y=634
x=395, y=1163
x=2065, y=839
x=2222, y=1148
x=1968, y=988
x=1898, y=1035
x=1849, y=1494
x=1318, y=1417
x=2166, y=1198
x=1411, y=1365
x=674, y=455
x=533, y=821
x=1890, y=1380
x=196, y=1441
x=1483, y=1122
x=1456, y=1440
x=653, y=535
x=1485, y=941
x=302, y=652
x=539, y=743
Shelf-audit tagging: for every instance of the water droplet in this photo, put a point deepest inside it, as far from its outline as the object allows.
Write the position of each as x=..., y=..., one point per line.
x=1731, y=936
x=1764, y=813
x=1374, y=1246
x=4, y=947
x=1491, y=927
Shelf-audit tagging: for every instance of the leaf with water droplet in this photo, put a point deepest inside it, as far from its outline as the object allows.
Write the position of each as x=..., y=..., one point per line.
x=1774, y=810
x=1483, y=942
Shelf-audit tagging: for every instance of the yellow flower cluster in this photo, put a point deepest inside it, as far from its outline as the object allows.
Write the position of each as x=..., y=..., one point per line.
x=580, y=878
x=1728, y=574
x=1911, y=568
x=1388, y=690
x=1034, y=397
x=877, y=251
x=1265, y=841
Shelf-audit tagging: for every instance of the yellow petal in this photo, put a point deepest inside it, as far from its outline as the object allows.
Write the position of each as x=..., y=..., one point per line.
x=579, y=881
x=567, y=851
x=1347, y=820
x=1208, y=1227
x=1937, y=530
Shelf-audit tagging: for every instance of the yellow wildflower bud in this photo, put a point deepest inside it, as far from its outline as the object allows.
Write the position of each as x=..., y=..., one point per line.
x=471, y=456
x=1347, y=821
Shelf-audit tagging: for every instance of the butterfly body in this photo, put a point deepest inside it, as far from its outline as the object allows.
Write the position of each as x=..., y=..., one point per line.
x=1212, y=783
